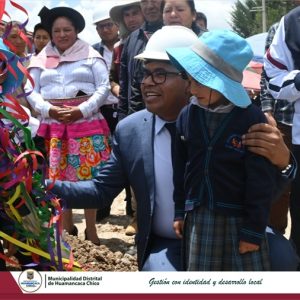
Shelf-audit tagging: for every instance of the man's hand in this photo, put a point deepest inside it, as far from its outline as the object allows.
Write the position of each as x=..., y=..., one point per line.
x=267, y=140
x=245, y=247
x=178, y=227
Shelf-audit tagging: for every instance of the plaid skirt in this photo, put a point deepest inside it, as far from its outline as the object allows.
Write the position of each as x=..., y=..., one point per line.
x=211, y=243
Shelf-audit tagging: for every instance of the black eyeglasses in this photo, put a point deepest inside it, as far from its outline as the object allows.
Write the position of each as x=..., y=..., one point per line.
x=160, y=76
x=107, y=25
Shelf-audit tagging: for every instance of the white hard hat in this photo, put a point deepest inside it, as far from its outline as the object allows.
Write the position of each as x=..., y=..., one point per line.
x=100, y=15
x=167, y=37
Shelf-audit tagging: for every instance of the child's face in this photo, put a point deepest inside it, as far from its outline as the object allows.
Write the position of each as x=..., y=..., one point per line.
x=206, y=96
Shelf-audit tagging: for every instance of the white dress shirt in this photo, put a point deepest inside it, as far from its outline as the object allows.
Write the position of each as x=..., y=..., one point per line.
x=107, y=55
x=163, y=171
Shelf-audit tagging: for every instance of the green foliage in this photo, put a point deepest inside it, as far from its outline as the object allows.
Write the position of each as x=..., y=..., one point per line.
x=246, y=19
x=243, y=20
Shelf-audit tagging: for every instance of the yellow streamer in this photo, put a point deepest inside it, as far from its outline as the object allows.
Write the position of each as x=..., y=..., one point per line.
x=10, y=202
x=76, y=266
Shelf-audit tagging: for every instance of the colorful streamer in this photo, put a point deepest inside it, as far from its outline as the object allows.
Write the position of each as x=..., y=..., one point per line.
x=30, y=215
x=34, y=212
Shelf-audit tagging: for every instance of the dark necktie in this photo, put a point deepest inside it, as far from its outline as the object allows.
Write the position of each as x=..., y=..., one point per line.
x=172, y=130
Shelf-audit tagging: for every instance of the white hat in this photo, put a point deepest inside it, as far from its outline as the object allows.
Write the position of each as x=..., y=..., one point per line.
x=116, y=12
x=100, y=15
x=167, y=37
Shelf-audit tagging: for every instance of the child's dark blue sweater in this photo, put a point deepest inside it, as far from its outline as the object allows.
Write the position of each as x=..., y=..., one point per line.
x=220, y=173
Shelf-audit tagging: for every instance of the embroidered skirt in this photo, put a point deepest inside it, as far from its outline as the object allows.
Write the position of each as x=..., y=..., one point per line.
x=78, y=151
x=212, y=244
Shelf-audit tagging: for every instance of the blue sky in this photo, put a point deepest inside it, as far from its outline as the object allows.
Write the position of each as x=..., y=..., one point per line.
x=211, y=8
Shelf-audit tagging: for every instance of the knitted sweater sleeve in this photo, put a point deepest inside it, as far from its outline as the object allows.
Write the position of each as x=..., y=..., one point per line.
x=179, y=163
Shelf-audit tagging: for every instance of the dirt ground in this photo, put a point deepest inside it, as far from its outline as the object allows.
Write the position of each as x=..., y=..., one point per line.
x=116, y=252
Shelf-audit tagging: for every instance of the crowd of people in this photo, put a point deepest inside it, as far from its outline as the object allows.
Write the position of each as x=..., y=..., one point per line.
x=157, y=107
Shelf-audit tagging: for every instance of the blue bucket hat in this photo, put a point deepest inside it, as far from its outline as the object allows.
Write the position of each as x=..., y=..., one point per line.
x=217, y=60
x=11, y=59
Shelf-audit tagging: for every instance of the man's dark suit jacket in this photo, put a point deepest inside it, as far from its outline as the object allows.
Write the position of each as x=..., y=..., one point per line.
x=131, y=161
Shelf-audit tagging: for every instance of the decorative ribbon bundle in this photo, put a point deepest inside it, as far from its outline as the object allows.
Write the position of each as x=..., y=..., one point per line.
x=25, y=203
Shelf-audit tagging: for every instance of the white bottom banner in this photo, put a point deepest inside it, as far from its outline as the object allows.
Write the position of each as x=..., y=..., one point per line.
x=31, y=281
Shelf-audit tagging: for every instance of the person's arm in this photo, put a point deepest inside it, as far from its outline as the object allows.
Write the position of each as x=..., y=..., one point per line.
x=113, y=74
x=266, y=140
x=136, y=99
x=179, y=163
x=270, y=36
x=70, y=114
x=259, y=190
x=102, y=87
x=260, y=183
x=34, y=98
x=39, y=105
x=123, y=98
x=266, y=99
x=283, y=80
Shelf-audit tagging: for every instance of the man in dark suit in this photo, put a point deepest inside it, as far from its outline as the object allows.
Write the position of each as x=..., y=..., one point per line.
x=142, y=156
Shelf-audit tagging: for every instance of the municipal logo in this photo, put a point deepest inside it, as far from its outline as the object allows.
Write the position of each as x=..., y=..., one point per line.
x=30, y=280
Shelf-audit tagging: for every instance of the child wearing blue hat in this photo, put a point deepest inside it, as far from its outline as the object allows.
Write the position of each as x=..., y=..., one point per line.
x=224, y=190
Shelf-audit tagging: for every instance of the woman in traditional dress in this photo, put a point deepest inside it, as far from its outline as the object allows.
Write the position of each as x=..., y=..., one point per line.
x=70, y=85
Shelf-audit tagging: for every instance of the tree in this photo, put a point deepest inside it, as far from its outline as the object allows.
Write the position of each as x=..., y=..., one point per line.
x=246, y=19
x=243, y=19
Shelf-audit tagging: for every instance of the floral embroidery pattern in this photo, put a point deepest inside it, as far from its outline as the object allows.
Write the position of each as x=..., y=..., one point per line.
x=85, y=146
x=54, y=143
x=93, y=158
x=54, y=157
x=99, y=143
x=77, y=159
x=74, y=161
x=84, y=172
x=54, y=173
x=105, y=155
x=71, y=174
x=73, y=146
x=64, y=148
x=63, y=162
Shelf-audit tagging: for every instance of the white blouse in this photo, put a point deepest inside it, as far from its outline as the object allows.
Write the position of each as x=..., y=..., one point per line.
x=89, y=76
